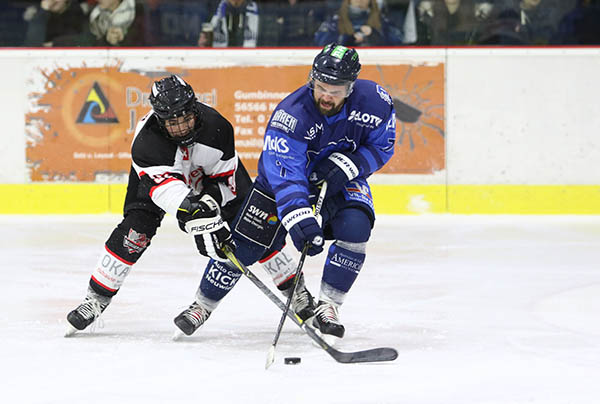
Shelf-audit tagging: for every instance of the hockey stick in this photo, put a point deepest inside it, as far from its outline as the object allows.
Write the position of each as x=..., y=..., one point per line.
x=271, y=353
x=369, y=355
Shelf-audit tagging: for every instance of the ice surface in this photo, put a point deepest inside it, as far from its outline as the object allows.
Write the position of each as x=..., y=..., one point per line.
x=482, y=309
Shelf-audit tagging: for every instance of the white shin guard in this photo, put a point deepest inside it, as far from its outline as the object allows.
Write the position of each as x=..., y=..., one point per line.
x=280, y=265
x=111, y=270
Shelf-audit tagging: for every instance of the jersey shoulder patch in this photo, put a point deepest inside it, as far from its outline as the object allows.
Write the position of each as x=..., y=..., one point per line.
x=369, y=105
x=291, y=114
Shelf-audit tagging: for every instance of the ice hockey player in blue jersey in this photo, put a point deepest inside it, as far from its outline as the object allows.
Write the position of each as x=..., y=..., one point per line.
x=337, y=129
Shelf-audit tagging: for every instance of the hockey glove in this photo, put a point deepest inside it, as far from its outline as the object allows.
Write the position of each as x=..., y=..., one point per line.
x=200, y=216
x=337, y=170
x=210, y=244
x=305, y=231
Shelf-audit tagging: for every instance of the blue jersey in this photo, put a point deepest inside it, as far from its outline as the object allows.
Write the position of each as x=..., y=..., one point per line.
x=298, y=136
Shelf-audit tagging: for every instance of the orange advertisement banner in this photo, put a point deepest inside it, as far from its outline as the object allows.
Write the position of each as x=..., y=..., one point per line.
x=84, y=120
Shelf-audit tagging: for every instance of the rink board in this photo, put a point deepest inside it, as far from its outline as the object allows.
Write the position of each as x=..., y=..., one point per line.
x=389, y=199
x=480, y=146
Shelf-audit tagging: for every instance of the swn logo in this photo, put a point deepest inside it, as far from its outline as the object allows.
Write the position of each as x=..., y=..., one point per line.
x=277, y=144
x=96, y=108
x=261, y=214
x=367, y=119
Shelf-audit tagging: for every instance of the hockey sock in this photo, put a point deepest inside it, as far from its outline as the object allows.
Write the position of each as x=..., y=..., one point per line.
x=217, y=281
x=344, y=261
x=281, y=266
x=124, y=247
x=110, y=273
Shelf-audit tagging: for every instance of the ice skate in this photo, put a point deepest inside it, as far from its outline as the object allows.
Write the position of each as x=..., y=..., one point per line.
x=191, y=319
x=87, y=312
x=302, y=303
x=327, y=322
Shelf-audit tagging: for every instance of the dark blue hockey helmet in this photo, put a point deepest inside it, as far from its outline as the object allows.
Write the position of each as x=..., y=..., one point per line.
x=337, y=65
x=171, y=98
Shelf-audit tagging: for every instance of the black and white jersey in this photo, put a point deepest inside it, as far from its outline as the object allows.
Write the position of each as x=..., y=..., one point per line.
x=171, y=171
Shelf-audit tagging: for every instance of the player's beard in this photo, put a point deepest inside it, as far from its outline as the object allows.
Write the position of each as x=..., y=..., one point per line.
x=328, y=108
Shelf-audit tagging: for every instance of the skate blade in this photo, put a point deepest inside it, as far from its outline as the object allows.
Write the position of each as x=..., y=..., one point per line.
x=70, y=331
x=328, y=338
x=177, y=335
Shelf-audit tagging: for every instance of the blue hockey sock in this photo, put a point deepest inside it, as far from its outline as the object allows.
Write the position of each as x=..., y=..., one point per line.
x=217, y=281
x=342, y=266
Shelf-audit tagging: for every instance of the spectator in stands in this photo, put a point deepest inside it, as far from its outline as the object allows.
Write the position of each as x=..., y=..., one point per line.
x=484, y=9
x=504, y=29
x=297, y=22
x=357, y=23
x=447, y=22
x=538, y=19
x=580, y=26
x=173, y=22
x=110, y=21
x=235, y=23
x=54, y=23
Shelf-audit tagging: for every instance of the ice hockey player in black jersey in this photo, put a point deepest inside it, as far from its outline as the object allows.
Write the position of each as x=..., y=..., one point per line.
x=184, y=163
x=338, y=129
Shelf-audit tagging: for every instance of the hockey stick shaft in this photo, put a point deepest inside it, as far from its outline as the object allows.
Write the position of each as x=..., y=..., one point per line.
x=271, y=353
x=369, y=355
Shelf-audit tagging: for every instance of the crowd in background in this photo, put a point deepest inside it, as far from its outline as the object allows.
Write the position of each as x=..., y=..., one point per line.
x=277, y=23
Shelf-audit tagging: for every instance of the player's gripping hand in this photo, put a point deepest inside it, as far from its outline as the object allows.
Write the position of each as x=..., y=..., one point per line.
x=305, y=231
x=200, y=217
x=210, y=244
x=337, y=170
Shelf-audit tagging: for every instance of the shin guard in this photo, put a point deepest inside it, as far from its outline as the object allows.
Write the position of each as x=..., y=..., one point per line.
x=217, y=281
x=124, y=247
x=342, y=266
x=109, y=274
x=280, y=265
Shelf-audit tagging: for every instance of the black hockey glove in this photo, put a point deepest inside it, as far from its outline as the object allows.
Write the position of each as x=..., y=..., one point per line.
x=200, y=217
x=211, y=244
x=337, y=170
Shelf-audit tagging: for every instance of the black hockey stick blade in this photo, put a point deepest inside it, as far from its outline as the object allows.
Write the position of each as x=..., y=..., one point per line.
x=369, y=355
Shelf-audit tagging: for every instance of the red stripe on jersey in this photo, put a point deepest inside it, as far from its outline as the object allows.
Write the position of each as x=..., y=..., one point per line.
x=117, y=257
x=154, y=188
x=359, y=191
x=225, y=174
x=103, y=285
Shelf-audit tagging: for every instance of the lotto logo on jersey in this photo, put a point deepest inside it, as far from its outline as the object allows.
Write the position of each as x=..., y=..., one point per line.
x=364, y=119
x=284, y=121
x=276, y=144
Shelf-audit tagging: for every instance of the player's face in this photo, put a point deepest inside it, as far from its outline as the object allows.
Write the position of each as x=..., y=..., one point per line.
x=181, y=126
x=329, y=98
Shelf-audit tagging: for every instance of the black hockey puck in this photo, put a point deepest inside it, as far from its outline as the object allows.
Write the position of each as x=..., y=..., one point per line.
x=291, y=360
